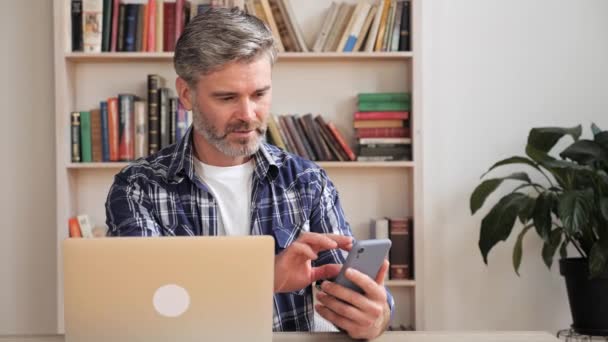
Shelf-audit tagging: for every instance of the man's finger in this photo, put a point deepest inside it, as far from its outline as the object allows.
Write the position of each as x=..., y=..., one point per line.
x=325, y=272
x=339, y=321
x=367, y=284
x=345, y=310
x=303, y=250
x=382, y=273
x=321, y=242
x=347, y=295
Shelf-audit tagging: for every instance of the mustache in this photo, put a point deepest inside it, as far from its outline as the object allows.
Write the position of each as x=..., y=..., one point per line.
x=245, y=126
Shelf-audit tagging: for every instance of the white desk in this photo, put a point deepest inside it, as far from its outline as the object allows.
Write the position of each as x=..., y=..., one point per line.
x=416, y=336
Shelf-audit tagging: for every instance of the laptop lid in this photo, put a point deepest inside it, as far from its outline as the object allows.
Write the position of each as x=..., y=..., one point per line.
x=169, y=289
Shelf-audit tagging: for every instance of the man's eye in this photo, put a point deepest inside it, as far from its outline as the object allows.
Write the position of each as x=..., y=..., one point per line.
x=227, y=99
x=260, y=94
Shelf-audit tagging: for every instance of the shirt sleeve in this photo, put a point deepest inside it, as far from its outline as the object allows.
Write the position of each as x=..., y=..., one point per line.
x=328, y=217
x=129, y=210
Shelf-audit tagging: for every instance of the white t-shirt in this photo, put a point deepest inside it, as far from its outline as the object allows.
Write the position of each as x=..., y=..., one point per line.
x=231, y=186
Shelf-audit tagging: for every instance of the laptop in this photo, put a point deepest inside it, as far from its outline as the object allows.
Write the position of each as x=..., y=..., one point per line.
x=169, y=289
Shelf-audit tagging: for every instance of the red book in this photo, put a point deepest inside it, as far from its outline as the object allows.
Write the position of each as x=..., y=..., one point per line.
x=341, y=140
x=144, y=34
x=169, y=26
x=179, y=18
x=74, y=228
x=114, y=39
x=151, y=34
x=391, y=132
x=382, y=115
x=113, y=128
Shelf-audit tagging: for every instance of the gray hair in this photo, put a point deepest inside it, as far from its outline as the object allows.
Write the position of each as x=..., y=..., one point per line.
x=220, y=36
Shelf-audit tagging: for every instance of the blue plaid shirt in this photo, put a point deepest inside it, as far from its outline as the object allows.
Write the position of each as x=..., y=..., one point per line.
x=161, y=195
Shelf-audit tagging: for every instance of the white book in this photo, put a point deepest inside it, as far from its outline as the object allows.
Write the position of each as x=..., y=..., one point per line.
x=338, y=26
x=330, y=18
x=86, y=229
x=366, y=141
x=355, y=30
x=373, y=33
x=380, y=231
x=92, y=25
x=141, y=129
x=159, y=25
x=347, y=29
x=365, y=28
x=395, y=37
x=295, y=26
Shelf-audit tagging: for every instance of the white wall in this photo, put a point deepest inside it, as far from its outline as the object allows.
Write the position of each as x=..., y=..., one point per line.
x=27, y=205
x=494, y=69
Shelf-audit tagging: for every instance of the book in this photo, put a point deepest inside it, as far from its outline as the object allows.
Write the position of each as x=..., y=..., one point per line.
x=273, y=130
x=160, y=25
x=172, y=119
x=114, y=36
x=74, y=228
x=151, y=32
x=355, y=31
x=75, y=136
x=155, y=82
x=105, y=143
x=113, y=128
x=96, y=139
x=341, y=140
x=288, y=36
x=76, y=21
x=86, y=229
x=386, y=132
x=106, y=29
x=377, y=123
x=169, y=26
x=347, y=28
x=396, y=27
x=92, y=25
x=380, y=231
x=365, y=29
x=335, y=33
x=382, y=115
x=291, y=19
x=401, y=254
x=384, y=97
x=130, y=27
x=126, y=108
x=120, y=37
x=332, y=144
x=330, y=17
x=404, y=33
x=382, y=25
x=373, y=31
x=384, y=106
x=373, y=141
x=141, y=130
x=164, y=108
x=85, y=137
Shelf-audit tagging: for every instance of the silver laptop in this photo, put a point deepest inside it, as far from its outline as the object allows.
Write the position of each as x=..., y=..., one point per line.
x=169, y=289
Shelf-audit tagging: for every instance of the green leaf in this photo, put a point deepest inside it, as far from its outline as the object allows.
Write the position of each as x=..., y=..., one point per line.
x=574, y=209
x=542, y=213
x=594, y=129
x=563, y=250
x=512, y=160
x=484, y=189
x=550, y=247
x=496, y=226
x=518, y=250
x=602, y=139
x=604, y=207
x=585, y=152
x=598, y=258
x=545, y=138
x=527, y=210
x=543, y=158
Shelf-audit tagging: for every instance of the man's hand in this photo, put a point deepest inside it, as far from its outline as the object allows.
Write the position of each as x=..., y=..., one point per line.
x=361, y=316
x=292, y=267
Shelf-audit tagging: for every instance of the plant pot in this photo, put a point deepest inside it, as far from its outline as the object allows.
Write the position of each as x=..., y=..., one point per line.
x=588, y=297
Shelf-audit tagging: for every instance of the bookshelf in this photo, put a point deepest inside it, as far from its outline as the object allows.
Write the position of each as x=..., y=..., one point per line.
x=325, y=83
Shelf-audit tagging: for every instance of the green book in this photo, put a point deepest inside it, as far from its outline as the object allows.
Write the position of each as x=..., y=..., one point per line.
x=85, y=137
x=106, y=27
x=384, y=106
x=384, y=97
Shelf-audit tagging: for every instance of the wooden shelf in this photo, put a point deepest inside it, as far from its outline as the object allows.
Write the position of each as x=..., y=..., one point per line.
x=400, y=283
x=168, y=56
x=327, y=165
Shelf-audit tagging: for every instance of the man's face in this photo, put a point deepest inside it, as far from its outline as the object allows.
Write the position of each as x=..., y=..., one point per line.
x=230, y=106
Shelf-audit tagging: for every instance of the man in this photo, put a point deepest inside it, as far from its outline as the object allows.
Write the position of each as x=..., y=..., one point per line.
x=221, y=179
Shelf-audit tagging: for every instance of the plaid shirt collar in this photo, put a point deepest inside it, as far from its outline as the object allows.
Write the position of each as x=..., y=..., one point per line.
x=267, y=162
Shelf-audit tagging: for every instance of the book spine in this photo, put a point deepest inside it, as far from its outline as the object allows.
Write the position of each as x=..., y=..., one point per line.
x=154, y=83
x=113, y=128
x=75, y=134
x=308, y=135
x=380, y=231
x=115, y=36
x=107, y=26
x=74, y=228
x=397, y=27
x=341, y=140
x=172, y=119
x=141, y=130
x=139, y=27
x=297, y=143
x=127, y=127
x=160, y=22
x=382, y=116
x=105, y=142
x=179, y=19
x=92, y=25
x=289, y=141
x=169, y=26
x=120, y=45
x=273, y=129
x=165, y=117
x=85, y=137
x=342, y=155
x=131, y=13
x=384, y=97
x=384, y=106
x=327, y=140
x=151, y=34
x=144, y=32
x=315, y=136
x=310, y=153
x=391, y=132
x=76, y=14
x=400, y=255
x=96, y=142
x=404, y=34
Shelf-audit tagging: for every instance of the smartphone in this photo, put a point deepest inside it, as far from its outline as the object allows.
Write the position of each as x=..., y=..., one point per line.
x=367, y=256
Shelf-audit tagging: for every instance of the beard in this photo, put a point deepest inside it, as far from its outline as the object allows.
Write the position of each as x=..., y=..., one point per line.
x=219, y=138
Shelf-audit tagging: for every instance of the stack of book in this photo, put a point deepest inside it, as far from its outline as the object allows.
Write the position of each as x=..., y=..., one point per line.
x=126, y=128
x=371, y=26
x=311, y=138
x=400, y=231
x=381, y=126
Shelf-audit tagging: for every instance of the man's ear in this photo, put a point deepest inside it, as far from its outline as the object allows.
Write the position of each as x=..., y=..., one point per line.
x=184, y=92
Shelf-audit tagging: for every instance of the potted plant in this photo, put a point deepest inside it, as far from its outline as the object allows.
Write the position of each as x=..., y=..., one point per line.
x=568, y=209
